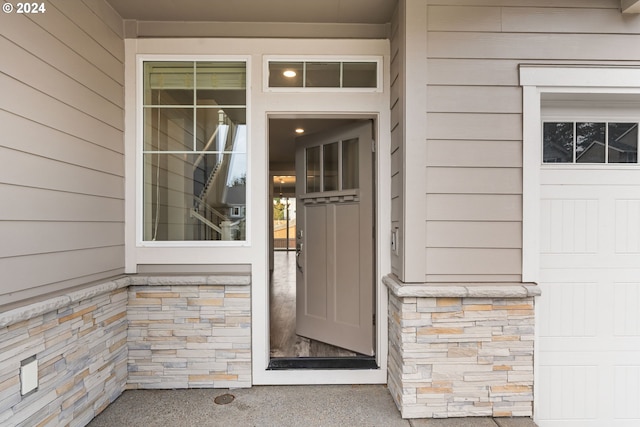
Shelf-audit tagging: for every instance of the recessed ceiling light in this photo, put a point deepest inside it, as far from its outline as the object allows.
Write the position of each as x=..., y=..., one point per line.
x=299, y=130
x=289, y=73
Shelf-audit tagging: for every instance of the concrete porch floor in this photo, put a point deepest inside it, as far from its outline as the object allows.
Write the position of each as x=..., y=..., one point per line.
x=326, y=405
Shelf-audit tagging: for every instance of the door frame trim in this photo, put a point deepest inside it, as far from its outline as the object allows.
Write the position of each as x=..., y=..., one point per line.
x=382, y=223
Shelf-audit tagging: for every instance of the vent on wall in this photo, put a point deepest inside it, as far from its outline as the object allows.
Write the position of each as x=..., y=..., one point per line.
x=28, y=375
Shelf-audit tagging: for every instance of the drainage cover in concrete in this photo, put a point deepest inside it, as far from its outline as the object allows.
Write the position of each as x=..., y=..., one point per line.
x=224, y=399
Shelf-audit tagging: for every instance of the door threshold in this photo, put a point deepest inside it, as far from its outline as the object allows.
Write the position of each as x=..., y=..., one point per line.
x=358, y=362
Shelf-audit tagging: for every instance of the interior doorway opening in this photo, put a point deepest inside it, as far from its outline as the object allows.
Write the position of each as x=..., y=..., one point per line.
x=291, y=250
x=284, y=218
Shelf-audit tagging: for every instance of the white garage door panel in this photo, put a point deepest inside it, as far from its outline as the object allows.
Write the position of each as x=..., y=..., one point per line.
x=627, y=387
x=589, y=312
x=573, y=392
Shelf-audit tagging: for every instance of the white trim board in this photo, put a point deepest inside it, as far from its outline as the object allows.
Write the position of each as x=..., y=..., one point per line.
x=261, y=104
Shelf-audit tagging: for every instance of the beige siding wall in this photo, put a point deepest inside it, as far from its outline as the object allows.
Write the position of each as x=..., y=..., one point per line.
x=61, y=149
x=397, y=112
x=474, y=116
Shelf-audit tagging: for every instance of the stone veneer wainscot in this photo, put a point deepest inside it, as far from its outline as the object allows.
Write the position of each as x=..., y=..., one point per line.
x=461, y=350
x=129, y=332
x=189, y=332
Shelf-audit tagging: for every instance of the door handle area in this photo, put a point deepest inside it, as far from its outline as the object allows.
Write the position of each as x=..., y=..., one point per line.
x=298, y=251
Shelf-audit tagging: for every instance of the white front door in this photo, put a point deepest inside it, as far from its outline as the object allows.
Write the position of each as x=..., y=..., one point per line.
x=335, y=268
x=589, y=312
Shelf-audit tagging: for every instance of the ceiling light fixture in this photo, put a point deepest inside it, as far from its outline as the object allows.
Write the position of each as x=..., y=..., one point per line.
x=289, y=73
x=299, y=130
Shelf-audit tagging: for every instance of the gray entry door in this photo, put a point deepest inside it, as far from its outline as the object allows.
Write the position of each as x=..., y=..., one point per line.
x=335, y=257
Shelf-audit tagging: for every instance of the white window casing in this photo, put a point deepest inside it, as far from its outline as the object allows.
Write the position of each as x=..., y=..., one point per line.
x=262, y=105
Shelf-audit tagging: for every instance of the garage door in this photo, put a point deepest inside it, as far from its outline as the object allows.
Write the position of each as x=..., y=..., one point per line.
x=588, y=358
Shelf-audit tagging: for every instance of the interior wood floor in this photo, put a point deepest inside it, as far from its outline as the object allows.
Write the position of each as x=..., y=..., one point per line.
x=282, y=306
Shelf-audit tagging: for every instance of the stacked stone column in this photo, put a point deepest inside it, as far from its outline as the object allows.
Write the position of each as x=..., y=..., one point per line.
x=461, y=350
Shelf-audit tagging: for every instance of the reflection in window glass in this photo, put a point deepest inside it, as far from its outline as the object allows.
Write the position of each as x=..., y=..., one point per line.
x=221, y=83
x=194, y=153
x=330, y=166
x=558, y=142
x=360, y=74
x=623, y=143
x=323, y=74
x=168, y=83
x=313, y=169
x=590, y=143
x=593, y=142
x=168, y=129
x=212, y=130
x=286, y=74
x=350, y=169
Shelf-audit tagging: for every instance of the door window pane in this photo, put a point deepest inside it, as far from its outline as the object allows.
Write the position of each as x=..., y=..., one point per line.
x=313, y=169
x=590, y=143
x=360, y=74
x=330, y=166
x=623, y=143
x=558, y=142
x=350, y=168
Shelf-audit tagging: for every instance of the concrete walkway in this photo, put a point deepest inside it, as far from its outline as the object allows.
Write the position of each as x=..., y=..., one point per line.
x=322, y=406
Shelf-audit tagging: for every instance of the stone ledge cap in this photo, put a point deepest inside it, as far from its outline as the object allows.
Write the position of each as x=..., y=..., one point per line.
x=460, y=290
x=186, y=280
x=39, y=308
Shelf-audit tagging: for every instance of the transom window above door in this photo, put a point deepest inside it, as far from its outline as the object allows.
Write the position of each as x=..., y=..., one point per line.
x=332, y=167
x=323, y=75
x=594, y=142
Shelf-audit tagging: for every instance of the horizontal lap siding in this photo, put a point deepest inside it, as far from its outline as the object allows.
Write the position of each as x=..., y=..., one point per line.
x=61, y=154
x=474, y=140
x=397, y=136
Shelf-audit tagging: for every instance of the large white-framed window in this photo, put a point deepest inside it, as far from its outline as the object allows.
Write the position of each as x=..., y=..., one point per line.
x=192, y=151
x=322, y=74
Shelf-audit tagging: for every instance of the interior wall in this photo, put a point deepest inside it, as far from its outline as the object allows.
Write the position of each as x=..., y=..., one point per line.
x=61, y=154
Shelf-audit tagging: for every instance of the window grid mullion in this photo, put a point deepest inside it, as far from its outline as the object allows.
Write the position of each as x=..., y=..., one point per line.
x=304, y=74
x=321, y=168
x=195, y=112
x=575, y=140
x=606, y=142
